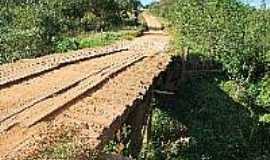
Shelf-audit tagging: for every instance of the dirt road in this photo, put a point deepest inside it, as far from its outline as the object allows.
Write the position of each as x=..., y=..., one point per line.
x=86, y=89
x=152, y=22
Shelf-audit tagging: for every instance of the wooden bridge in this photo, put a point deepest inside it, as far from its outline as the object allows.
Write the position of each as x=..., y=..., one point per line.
x=87, y=93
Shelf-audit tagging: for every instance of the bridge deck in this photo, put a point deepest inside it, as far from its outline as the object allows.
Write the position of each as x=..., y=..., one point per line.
x=86, y=95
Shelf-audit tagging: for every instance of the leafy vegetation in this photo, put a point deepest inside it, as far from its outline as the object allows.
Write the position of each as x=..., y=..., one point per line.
x=91, y=40
x=229, y=32
x=33, y=28
x=202, y=121
x=216, y=116
x=120, y=144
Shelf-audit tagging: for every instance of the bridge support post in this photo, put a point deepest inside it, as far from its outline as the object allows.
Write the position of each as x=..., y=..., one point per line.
x=140, y=120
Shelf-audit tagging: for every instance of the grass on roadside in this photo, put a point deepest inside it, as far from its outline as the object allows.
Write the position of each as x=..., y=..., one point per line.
x=91, y=40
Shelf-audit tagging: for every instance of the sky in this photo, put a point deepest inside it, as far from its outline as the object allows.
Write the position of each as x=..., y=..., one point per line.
x=251, y=2
x=257, y=2
x=144, y=2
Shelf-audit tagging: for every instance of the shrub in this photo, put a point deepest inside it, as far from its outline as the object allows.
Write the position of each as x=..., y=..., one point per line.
x=91, y=22
x=263, y=98
x=227, y=30
x=67, y=44
x=34, y=28
x=100, y=40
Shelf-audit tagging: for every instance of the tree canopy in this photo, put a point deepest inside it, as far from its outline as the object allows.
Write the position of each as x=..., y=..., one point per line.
x=30, y=27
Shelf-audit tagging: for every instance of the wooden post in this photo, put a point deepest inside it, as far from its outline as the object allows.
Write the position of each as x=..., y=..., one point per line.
x=185, y=52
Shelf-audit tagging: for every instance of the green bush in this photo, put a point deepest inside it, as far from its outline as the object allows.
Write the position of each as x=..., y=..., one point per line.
x=263, y=98
x=17, y=44
x=91, y=22
x=202, y=121
x=67, y=44
x=234, y=34
x=91, y=40
x=235, y=113
x=34, y=28
x=31, y=32
x=100, y=40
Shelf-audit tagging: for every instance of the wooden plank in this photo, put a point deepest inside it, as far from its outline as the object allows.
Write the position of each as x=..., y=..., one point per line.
x=51, y=105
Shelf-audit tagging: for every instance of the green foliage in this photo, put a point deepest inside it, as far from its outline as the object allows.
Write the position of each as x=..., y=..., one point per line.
x=120, y=144
x=61, y=151
x=34, y=28
x=67, y=44
x=204, y=122
x=233, y=33
x=12, y=48
x=110, y=147
x=166, y=137
x=264, y=95
x=255, y=97
x=265, y=118
x=91, y=40
x=101, y=40
x=91, y=22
